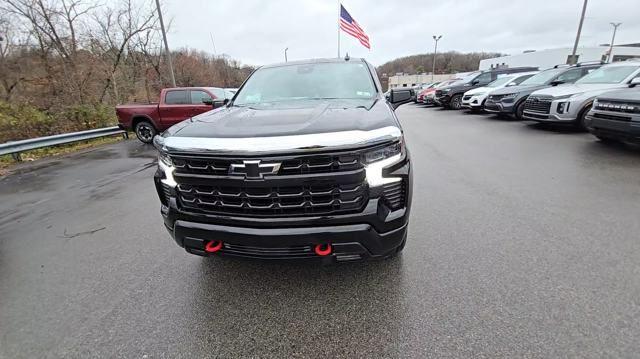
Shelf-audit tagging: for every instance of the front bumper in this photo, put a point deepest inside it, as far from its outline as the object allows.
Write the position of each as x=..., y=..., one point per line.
x=499, y=107
x=473, y=101
x=375, y=232
x=625, y=127
x=569, y=115
x=443, y=100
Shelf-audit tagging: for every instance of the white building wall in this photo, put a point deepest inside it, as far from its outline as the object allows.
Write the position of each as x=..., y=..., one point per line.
x=548, y=58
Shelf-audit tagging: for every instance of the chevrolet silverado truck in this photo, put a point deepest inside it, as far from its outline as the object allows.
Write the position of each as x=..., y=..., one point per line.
x=307, y=161
x=450, y=97
x=175, y=105
x=615, y=115
x=510, y=100
x=569, y=104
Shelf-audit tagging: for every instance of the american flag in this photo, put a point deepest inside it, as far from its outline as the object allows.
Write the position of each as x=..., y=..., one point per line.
x=351, y=27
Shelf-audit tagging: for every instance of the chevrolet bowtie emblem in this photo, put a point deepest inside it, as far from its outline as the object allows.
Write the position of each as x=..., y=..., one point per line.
x=253, y=169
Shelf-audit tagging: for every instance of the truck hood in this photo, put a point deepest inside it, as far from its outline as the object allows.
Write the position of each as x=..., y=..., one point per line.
x=563, y=90
x=285, y=127
x=622, y=95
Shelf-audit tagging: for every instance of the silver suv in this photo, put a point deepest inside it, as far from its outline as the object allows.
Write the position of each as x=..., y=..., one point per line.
x=571, y=103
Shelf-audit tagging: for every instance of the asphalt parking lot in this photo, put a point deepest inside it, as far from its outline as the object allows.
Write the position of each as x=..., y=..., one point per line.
x=524, y=242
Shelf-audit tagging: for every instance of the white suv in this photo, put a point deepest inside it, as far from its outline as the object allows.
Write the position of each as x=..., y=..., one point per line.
x=474, y=99
x=571, y=103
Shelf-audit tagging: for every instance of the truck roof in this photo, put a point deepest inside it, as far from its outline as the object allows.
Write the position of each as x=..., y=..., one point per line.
x=316, y=61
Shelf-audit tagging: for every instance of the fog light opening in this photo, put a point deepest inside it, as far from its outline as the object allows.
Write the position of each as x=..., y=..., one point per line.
x=323, y=249
x=213, y=246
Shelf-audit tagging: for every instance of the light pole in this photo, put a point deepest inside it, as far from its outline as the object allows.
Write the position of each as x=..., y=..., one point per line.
x=285, y=54
x=613, y=38
x=166, y=44
x=572, y=59
x=435, y=52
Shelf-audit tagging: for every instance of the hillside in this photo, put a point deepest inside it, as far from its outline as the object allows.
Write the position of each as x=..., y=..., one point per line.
x=447, y=62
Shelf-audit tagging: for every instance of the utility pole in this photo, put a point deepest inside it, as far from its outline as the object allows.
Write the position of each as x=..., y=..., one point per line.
x=613, y=38
x=285, y=54
x=166, y=45
x=435, y=52
x=572, y=60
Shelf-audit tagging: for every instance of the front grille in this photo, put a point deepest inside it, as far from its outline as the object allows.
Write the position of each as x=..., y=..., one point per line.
x=395, y=194
x=269, y=252
x=605, y=116
x=538, y=104
x=618, y=106
x=294, y=165
x=314, y=199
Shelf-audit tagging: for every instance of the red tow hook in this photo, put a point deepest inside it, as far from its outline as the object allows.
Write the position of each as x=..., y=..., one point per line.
x=213, y=246
x=323, y=249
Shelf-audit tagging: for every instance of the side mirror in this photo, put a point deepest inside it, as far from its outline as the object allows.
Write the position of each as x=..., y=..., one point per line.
x=556, y=82
x=219, y=103
x=207, y=101
x=511, y=84
x=399, y=97
x=475, y=82
x=634, y=82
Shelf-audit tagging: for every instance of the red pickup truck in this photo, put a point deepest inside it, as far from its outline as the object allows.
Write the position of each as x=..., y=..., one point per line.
x=176, y=105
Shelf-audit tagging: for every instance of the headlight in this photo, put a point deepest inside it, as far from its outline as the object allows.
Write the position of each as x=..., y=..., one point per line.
x=166, y=165
x=479, y=94
x=376, y=160
x=510, y=95
x=164, y=158
x=446, y=90
x=383, y=153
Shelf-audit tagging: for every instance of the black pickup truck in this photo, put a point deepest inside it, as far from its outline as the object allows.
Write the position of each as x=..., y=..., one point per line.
x=307, y=161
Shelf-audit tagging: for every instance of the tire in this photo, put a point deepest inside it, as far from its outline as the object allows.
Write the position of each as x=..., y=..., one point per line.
x=582, y=117
x=456, y=102
x=520, y=111
x=145, y=131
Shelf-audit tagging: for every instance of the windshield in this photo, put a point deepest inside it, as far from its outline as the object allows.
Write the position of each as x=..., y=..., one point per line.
x=608, y=75
x=337, y=80
x=543, y=77
x=501, y=81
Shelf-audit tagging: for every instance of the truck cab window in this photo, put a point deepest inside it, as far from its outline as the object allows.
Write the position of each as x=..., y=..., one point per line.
x=177, y=97
x=198, y=97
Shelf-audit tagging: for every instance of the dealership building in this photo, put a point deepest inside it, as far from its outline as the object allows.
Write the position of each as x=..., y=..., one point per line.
x=544, y=59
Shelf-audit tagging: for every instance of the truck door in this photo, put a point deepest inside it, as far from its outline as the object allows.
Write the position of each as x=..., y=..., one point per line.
x=201, y=102
x=175, y=108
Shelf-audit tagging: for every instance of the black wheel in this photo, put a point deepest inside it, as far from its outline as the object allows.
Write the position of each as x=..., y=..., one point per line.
x=456, y=102
x=145, y=131
x=582, y=118
x=520, y=111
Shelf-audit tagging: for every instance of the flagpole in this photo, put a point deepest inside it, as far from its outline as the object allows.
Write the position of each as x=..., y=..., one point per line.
x=339, y=9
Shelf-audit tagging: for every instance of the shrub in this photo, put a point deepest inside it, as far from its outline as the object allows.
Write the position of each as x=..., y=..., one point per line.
x=21, y=121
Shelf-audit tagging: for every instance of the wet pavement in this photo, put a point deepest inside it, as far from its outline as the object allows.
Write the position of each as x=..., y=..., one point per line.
x=524, y=241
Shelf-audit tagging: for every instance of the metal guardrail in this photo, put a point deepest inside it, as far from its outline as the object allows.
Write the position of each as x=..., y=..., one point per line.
x=15, y=147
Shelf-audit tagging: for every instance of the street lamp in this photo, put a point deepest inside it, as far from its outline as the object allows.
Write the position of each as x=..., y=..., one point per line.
x=613, y=38
x=435, y=51
x=573, y=58
x=285, y=54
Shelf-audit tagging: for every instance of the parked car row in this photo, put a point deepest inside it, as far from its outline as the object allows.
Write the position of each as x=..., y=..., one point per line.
x=580, y=95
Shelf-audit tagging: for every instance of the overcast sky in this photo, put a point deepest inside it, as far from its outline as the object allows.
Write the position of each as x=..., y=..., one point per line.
x=257, y=31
